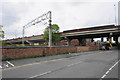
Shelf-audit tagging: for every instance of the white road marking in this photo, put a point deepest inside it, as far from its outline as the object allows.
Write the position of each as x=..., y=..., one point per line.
x=10, y=63
x=6, y=65
x=73, y=64
x=103, y=76
x=52, y=70
x=41, y=74
x=107, y=72
x=110, y=69
x=31, y=64
x=0, y=67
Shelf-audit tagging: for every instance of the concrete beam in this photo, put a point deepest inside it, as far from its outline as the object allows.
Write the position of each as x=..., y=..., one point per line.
x=91, y=32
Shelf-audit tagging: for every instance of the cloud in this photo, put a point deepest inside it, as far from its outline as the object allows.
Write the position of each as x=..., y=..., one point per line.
x=119, y=13
x=67, y=14
x=89, y=14
x=11, y=12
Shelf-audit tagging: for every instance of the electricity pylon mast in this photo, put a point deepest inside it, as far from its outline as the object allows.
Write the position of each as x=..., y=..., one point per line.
x=39, y=20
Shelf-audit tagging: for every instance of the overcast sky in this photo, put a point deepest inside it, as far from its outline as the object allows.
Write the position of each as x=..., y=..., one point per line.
x=68, y=14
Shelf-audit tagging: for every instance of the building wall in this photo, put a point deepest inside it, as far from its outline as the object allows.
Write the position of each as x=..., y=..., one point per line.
x=11, y=53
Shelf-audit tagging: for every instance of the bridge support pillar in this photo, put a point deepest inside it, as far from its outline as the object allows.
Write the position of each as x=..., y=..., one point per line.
x=92, y=40
x=88, y=40
x=80, y=41
x=102, y=39
x=69, y=41
x=109, y=39
x=115, y=39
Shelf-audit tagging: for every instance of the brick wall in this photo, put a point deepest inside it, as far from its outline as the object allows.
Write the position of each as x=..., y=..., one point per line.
x=82, y=49
x=19, y=52
x=74, y=42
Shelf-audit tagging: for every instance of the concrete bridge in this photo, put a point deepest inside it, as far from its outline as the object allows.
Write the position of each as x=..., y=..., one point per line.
x=87, y=34
x=27, y=40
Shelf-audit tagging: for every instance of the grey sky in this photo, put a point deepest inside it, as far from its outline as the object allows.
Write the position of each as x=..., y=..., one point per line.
x=68, y=14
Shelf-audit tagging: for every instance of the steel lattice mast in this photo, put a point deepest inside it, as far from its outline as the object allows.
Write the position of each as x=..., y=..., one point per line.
x=39, y=20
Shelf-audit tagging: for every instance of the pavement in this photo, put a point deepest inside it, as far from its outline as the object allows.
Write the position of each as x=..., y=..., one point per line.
x=93, y=64
x=5, y=64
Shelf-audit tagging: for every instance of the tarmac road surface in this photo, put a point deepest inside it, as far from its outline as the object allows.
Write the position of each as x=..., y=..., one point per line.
x=94, y=64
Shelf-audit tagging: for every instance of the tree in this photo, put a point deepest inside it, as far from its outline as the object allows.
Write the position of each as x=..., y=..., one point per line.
x=55, y=33
x=1, y=35
x=1, y=32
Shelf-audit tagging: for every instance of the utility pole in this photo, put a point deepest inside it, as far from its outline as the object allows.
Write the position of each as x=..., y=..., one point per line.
x=115, y=14
x=39, y=20
x=50, y=30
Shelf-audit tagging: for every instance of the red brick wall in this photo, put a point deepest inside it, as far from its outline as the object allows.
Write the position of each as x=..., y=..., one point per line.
x=91, y=44
x=82, y=49
x=74, y=42
x=93, y=48
x=20, y=52
x=38, y=51
x=63, y=42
